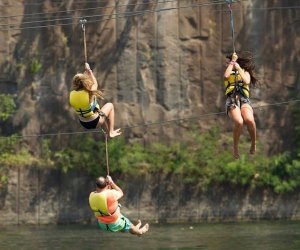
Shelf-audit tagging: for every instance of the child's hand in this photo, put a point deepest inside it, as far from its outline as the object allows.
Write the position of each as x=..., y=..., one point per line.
x=237, y=66
x=234, y=57
x=87, y=66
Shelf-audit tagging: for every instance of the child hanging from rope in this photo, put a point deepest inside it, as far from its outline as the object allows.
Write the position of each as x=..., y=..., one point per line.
x=104, y=204
x=239, y=74
x=83, y=98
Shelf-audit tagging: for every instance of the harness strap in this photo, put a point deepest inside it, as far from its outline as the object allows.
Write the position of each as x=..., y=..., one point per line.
x=107, y=228
x=92, y=108
x=238, y=89
x=104, y=214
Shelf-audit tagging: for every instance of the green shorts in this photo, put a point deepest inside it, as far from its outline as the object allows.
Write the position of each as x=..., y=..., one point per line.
x=121, y=225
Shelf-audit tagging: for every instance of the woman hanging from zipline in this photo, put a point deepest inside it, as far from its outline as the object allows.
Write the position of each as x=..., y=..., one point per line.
x=83, y=98
x=239, y=75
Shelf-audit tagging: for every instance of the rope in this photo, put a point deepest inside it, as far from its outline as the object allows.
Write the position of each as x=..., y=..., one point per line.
x=231, y=23
x=106, y=152
x=83, y=22
x=106, y=145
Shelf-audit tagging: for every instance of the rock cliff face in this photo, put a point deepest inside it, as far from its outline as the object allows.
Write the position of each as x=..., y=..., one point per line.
x=160, y=61
x=164, y=63
x=41, y=197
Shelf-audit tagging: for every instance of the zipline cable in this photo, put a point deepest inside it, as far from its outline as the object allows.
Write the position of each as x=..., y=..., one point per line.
x=154, y=124
x=34, y=15
x=121, y=15
x=126, y=14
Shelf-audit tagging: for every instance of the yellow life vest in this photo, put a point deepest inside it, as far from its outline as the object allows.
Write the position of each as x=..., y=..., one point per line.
x=80, y=101
x=235, y=83
x=98, y=203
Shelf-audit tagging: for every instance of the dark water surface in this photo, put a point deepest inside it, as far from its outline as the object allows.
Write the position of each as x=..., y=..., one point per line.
x=276, y=235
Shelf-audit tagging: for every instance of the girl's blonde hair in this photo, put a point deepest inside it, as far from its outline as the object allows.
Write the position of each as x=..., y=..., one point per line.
x=85, y=82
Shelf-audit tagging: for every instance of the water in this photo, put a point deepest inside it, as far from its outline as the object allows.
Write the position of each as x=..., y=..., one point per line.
x=229, y=236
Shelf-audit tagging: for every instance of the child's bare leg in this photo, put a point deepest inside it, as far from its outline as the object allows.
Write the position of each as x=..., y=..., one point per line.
x=235, y=115
x=108, y=110
x=248, y=117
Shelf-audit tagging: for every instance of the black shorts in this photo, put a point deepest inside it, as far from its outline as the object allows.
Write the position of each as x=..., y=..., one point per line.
x=91, y=124
x=232, y=102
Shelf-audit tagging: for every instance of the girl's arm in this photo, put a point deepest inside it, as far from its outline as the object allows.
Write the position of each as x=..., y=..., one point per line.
x=230, y=65
x=244, y=74
x=229, y=69
x=90, y=73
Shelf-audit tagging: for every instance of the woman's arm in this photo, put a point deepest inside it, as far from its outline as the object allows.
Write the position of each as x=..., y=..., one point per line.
x=90, y=73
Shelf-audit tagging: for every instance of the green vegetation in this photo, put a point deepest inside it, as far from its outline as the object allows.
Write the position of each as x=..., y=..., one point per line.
x=35, y=66
x=204, y=160
x=13, y=153
x=8, y=106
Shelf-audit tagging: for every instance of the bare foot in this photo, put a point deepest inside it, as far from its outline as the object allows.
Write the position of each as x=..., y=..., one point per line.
x=115, y=133
x=145, y=228
x=138, y=224
x=252, y=149
x=236, y=154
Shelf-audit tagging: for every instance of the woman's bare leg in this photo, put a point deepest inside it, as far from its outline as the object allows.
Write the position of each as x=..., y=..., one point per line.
x=108, y=110
x=236, y=117
x=247, y=114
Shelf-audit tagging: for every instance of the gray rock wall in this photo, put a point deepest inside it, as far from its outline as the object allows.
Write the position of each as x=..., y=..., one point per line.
x=35, y=196
x=157, y=65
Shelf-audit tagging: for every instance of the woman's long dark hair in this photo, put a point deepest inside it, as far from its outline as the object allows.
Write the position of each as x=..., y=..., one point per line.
x=245, y=60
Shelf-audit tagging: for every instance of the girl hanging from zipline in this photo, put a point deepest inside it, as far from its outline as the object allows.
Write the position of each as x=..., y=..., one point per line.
x=239, y=75
x=83, y=98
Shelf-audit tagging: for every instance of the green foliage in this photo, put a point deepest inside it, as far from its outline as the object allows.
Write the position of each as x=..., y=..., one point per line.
x=283, y=173
x=84, y=154
x=13, y=154
x=203, y=161
x=35, y=66
x=8, y=106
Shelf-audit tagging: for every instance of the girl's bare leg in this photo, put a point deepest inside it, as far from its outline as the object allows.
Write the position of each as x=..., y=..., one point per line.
x=236, y=117
x=108, y=110
x=247, y=114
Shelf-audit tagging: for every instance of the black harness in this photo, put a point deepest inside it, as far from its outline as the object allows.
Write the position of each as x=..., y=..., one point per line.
x=238, y=91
